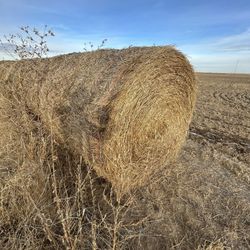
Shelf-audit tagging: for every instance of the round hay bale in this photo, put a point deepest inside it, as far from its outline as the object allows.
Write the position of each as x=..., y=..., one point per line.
x=125, y=112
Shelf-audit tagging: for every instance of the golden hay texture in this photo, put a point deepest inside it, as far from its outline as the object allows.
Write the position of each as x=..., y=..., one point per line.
x=126, y=112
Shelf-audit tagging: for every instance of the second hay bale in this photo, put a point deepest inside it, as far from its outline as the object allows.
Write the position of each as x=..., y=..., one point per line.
x=126, y=112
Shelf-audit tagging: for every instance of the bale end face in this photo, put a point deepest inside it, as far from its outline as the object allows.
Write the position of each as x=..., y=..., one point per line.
x=149, y=119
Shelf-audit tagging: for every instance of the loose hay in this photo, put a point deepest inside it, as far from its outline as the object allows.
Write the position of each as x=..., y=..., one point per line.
x=126, y=112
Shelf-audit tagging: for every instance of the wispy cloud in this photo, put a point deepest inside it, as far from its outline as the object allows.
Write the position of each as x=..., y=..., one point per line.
x=238, y=42
x=233, y=43
x=221, y=54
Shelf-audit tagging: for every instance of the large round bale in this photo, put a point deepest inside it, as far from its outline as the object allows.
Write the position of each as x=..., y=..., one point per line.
x=125, y=112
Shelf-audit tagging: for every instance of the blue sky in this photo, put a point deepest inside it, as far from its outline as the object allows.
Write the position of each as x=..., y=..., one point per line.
x=215, y=34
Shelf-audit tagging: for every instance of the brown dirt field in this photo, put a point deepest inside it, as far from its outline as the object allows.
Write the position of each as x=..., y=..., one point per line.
x=221, y=125
x=204, y=200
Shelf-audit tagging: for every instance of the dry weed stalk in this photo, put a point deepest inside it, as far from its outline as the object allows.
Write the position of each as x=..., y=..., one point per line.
x=29, y=43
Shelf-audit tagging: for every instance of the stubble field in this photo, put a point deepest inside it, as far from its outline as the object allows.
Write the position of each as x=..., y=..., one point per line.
x=211, y=180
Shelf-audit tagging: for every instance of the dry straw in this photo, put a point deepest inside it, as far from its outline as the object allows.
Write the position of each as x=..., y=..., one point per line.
x=126, y=112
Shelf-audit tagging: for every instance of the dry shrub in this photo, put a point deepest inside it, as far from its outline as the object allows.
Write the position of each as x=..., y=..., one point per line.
x=126, y=112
